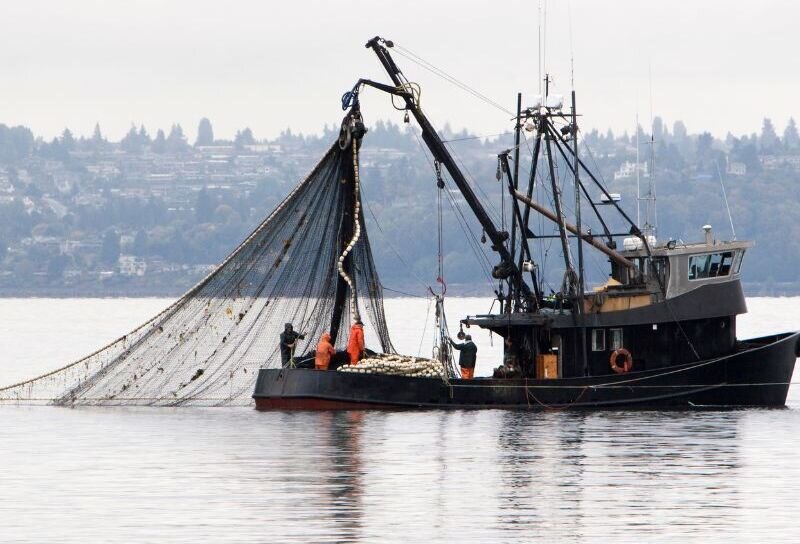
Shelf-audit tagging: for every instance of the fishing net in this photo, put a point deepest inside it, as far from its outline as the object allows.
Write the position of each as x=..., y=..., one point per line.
x=308, y=263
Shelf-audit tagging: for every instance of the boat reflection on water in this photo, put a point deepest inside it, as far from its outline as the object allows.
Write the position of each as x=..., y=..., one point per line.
x=503, y=474
x=610, y=472
x=343, y=481
x=336, y=465
x=401, y=476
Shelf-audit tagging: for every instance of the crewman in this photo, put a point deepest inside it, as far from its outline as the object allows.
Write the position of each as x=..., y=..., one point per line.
x=288, y=342
x=507, y=370
x=466, y=359
x=325, y=350
x=510, y=367
x=355, y=344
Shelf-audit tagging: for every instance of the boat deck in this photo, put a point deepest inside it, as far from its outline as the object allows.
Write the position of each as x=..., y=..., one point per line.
x=757, y=374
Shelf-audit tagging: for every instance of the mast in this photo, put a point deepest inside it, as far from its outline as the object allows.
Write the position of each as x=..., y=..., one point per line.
x=517, y=131
x=576, y=171
x=523, y=228
x=524, y=249
x=562, y=231
x=581, y=288
x=346, y=222
x=650, y=216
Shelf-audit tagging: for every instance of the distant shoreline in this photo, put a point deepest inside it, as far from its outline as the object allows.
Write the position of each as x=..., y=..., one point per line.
x=754, y=289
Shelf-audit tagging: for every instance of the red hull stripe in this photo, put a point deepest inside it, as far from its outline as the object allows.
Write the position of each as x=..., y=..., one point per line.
x=299, y=403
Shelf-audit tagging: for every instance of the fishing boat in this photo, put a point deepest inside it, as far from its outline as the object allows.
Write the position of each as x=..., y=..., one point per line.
x=661, y=331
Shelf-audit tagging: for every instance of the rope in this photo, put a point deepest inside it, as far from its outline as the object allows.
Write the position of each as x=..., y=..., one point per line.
x=356, y=235
x=472, y=240
x=403, y=292
x=439, y=225
x=472, y=180
x=411, y=88
x=454, y=140
x=441, y=343
x=391, y=246
x=425, y=326
x=416, y=59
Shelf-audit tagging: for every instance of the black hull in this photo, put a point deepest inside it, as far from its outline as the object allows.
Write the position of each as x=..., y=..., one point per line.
x=758, y=374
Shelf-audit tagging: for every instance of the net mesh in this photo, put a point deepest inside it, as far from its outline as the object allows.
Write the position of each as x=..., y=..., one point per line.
x=206, y=348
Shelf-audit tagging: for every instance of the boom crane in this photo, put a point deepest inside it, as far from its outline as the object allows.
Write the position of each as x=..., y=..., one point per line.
x=507, y=267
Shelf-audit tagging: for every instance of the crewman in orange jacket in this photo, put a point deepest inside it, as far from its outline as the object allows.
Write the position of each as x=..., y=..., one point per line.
x=325, y=351
x=355, y=344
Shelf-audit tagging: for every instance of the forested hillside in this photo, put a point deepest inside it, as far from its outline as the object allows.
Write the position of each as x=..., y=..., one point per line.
x=152, y=214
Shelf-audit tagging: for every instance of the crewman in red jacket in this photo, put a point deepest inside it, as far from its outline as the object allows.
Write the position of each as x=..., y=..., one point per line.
x=325, y=350
x=355, y=344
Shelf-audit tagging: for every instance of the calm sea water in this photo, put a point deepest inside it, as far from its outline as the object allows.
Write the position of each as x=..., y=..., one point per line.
x=236, y=475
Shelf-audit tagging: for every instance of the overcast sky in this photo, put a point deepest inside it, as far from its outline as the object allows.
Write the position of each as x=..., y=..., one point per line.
x=715, y=64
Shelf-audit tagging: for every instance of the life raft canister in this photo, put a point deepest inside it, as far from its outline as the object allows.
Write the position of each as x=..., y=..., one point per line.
x=627, y=364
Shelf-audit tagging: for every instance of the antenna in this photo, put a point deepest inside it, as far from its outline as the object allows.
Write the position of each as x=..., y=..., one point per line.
x=544, y=40
x=540, y=48
x=571, y=50
x=651, y=212
x=725, y=196
x=651, y=192
x=638, y=190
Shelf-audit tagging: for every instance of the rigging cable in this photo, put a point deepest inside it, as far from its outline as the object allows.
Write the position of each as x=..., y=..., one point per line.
x=404, y=293
x=416, y=59
x=416, y=92
x=491, y=211
x=472, y=180
x=439, y=225
x=477, y=250
x=477, y=137
x=425, y=326
x=389, y=243
x=725, y=196
x=440, y=342
x=471, y=238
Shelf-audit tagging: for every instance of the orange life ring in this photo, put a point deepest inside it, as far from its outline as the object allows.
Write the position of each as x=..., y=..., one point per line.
x=626, y=365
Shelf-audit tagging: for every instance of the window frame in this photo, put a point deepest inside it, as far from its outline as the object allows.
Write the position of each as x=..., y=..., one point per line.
x=737, y=266
x=711, y=261
x=598, y=334
x=612, y=335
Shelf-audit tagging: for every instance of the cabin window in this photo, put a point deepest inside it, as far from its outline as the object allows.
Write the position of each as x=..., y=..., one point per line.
x=614, y=338
x=712, y=265
x=739, y=259
x=598, y=340
x=727, y=262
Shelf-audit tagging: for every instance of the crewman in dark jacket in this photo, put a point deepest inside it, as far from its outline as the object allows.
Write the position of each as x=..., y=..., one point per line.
x=466, y=359
x=288, y=342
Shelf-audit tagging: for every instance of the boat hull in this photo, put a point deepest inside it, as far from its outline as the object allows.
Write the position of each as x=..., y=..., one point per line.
x=758, y=374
